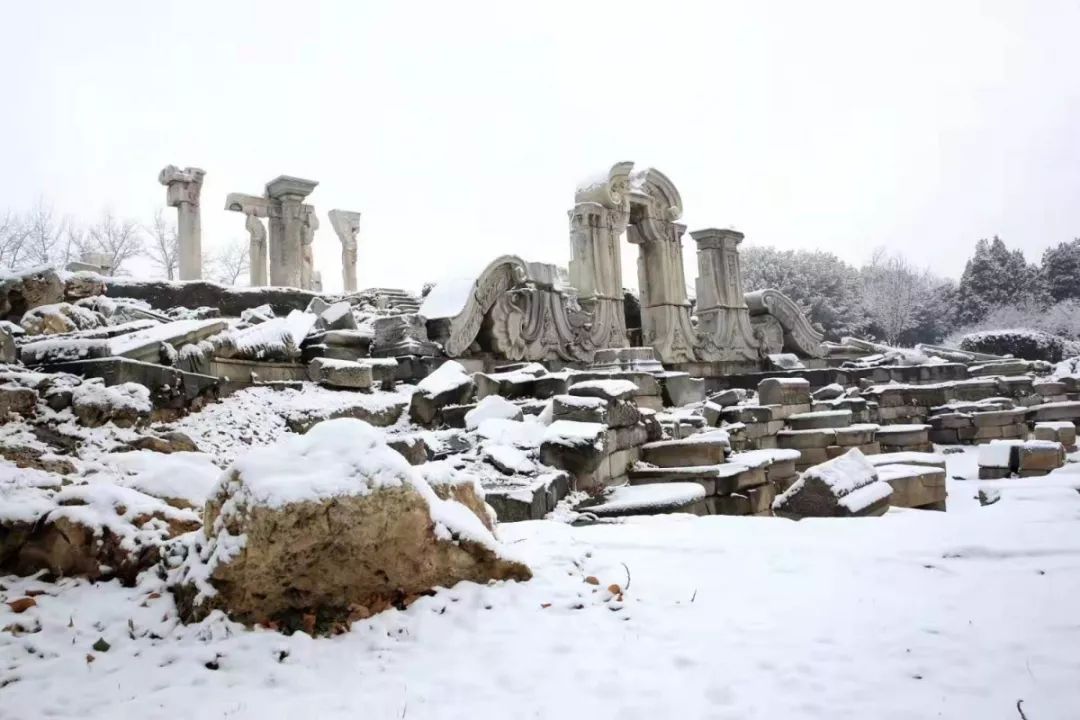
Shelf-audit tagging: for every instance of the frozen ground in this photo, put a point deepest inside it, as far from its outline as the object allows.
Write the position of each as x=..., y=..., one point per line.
x=914, y=615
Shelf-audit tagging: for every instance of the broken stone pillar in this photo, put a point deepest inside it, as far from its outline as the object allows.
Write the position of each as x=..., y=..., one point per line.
x=655, y=205
x=307, y=251
x=347, y=224
x=256, y=250
x=254, y=208
x=287, y=227
x=184, y=187
x=597, y=222
x=723, y=318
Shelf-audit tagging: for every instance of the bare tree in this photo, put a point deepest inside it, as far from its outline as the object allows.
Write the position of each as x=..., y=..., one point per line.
x=229, y=263
x=13, y=234
x=44, y=236
x=893, y=291
x=119, y=240
x=164, y=246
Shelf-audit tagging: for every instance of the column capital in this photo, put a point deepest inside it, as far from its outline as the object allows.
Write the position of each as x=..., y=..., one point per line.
x=716, y=238
x=184, y=186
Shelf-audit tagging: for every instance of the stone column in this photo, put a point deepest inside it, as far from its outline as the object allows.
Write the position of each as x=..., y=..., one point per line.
x=655, y=205
x=254, y=207
x=256, y=250
x=346, y=225
x=597, y=222
x=184, y=187
x=307, y=248
x=723, y=318
x=287, y=219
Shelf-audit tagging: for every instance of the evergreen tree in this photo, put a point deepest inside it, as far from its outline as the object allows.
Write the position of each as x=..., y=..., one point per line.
x=829, y=287
x=1060, y=271
x=993, y=277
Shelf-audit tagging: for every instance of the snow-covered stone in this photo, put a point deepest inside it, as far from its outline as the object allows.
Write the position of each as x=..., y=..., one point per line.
x=845, y=486
x=354, y=526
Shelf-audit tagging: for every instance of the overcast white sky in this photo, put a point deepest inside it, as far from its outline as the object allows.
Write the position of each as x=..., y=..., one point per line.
x=460, y=129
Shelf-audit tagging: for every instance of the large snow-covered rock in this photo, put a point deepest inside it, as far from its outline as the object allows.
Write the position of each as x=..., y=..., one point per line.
x=59, y=318
x=124, y=405
x=450, y=384
x=29, y=289
x=845, y=486
x=332, y=524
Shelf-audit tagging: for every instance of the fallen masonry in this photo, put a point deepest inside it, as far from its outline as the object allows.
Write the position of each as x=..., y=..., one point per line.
x=373, y=441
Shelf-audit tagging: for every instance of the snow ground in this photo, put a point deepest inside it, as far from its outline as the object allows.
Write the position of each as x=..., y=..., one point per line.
x=912, y=615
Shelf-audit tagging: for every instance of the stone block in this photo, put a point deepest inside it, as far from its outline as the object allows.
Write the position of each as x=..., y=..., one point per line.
x=1041, y=455
x=820, y=420
x=784, y=391
x=856, y=434
x=914, y=486
x=783, y=412
x=845, y=486
x=679, y=389
x=998, y=418
x=800, y=439
x=950, y=421
x=993, y=473
x=340, y=374
x=724, y=398
x=903, y=434
x=626, y=437
x=761, y=498
x=686, y=452
x=733, y=504
x=747, y=414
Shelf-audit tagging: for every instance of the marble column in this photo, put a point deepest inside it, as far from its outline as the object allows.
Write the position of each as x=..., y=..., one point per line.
x=287, y=220
x=308, y=227
x=723, y=317
x=183, y=190
x=257, y=264
x=655, y=205
x=597, y=223
x=346, y=225
x=255, y=208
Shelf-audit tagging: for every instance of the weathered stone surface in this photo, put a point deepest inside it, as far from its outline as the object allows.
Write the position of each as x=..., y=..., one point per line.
x=724, y=398
x=29, y=289
x=1063, y=432
x=679, y=389
x=364, y=542
x=843, y=487
x=800, y=439
x=828, y=392
x=8, y=352
x=856, y=434
x=231, y=301
x=820, y=420
x=17, y=400
x=694, y=450
x=747, y=414
x=903, y=434
x=784, y=391
x=124, y=405
x=450, y=384
x=412, y=448
x=914, y=486
x=341, y=374
x=1040, y=455
x=167, y=442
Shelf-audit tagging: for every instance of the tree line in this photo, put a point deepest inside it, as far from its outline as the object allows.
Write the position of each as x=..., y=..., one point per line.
x=892, y=300
x=41, y=236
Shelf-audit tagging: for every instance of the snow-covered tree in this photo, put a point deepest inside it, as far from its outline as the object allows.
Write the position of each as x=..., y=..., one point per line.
x=119, y=240
x=993, y=277
x=829, y=287
x=1060, y=271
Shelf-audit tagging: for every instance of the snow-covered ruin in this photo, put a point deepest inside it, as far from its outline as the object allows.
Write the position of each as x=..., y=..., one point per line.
x=279, y=457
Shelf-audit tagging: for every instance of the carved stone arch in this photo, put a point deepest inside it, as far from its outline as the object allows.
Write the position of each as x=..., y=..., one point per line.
x=800, y=337
x=500, y=275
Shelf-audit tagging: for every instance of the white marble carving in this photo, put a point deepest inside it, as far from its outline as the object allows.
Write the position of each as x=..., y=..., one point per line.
x=183, y=190
x=346, y=224
x=723, y=319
